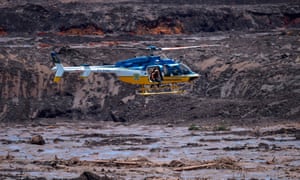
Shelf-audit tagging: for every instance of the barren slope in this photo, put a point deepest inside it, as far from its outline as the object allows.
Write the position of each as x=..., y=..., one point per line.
x=254, y=74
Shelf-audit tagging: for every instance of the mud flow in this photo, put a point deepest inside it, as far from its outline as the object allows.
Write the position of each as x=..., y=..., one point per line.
x=118, y=151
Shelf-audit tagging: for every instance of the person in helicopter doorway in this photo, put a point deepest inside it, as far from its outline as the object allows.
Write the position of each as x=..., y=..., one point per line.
x=155, y=76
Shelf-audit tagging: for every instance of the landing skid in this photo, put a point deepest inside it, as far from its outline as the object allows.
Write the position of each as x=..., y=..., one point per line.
x=156, y=93
x=154, y=89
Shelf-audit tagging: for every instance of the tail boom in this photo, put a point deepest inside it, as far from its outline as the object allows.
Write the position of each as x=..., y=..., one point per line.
x=85, y=69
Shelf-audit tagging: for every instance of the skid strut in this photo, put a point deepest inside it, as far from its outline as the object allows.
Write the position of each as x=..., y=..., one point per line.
x=154, y=89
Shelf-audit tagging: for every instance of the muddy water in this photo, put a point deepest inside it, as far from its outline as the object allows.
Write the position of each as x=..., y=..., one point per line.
x=138, y=151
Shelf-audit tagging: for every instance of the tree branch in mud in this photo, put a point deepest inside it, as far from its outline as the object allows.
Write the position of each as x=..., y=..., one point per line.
x=195, y=167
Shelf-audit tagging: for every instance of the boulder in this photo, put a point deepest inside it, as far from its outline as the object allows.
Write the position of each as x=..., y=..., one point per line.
x=37, y=139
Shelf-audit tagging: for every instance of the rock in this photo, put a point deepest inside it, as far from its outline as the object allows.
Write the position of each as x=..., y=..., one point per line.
x=37, y=139
x=117, y=118
x=176, y=163
x=73, y=161
x=91, y=176
x=263, y=146
x=57, y=140
x=9, y=156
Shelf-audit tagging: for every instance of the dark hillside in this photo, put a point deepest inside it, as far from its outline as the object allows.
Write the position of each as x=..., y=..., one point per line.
x=254, y=74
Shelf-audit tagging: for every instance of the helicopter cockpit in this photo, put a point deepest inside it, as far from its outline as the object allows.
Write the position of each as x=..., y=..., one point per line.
x=176, y=69
x=167, y=70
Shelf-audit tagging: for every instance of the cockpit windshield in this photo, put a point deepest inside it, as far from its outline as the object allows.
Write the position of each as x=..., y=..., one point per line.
x=184, y=69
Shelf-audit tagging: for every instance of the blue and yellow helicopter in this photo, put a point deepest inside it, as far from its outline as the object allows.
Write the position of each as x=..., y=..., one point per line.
x=154, y=74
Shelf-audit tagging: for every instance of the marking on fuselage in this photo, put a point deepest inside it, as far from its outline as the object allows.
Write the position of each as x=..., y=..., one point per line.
x=136, y=77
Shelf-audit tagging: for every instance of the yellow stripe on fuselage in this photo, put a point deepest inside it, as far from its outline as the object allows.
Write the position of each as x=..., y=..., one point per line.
x=134, y=79
x=145, y=79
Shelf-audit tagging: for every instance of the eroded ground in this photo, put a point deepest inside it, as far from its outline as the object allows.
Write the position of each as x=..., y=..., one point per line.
x=250, y=78
x=137, y=151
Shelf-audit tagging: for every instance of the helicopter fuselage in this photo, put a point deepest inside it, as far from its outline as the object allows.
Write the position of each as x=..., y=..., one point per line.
x=134, y=71
x=171, y=71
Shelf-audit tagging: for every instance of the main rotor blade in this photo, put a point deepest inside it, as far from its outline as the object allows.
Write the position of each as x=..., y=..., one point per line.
x=188, y=47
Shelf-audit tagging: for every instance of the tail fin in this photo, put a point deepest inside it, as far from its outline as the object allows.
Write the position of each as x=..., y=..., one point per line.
x=59, y=67
x=86, y=72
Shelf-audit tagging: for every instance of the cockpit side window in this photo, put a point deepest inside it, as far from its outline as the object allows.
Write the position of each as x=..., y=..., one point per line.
x=176, y=69
x=171, y=70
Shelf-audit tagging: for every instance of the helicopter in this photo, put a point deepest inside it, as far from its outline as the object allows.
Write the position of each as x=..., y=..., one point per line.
x=154, y=75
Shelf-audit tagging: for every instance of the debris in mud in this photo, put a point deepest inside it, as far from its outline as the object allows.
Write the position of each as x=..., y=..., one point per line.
x=272, y=161
x=38, y=140
x=176, y=163
x=221, y=163
x=222, y=128
x=173, y=152
x=120, y=141
x=280, y=131
x=263, y=146
x=190, y=144
x=59, y=163
x=8, y=156
x=194, y=127
x=236, y=148
x=57, y=140
x=91, y=176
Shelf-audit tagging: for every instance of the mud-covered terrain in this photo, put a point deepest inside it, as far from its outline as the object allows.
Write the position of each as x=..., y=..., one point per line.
x=250, y=78
x=116, y=151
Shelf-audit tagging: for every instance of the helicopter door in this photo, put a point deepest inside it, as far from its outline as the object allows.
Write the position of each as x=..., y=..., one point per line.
x=154, y=74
